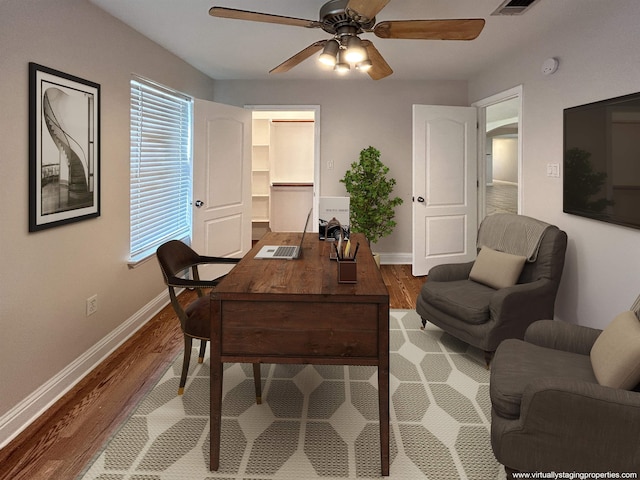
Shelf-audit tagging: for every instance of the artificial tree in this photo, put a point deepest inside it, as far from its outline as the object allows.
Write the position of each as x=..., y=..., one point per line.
x=372, y=208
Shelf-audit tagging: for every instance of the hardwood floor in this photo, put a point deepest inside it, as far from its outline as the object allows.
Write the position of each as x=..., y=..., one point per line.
x=402, y=286
x=65, y=438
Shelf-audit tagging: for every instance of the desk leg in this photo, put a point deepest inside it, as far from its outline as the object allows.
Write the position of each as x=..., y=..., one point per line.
x=215, y=412
x=383, y=388
x=383, y=406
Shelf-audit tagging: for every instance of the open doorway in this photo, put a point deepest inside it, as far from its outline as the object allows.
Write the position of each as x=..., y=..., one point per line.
x=501, y=157
x=500, y=172
x=285, y=173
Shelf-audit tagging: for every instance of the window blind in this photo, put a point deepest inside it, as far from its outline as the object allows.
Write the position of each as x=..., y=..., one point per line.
x=160, y=192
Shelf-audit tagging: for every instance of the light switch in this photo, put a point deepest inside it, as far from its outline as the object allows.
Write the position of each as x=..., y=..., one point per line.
x=553, y=170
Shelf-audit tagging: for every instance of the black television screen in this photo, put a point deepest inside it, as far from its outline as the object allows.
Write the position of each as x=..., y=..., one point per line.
x=602, y=160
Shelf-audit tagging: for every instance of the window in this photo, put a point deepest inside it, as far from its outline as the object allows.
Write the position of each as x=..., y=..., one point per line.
x=160, y=167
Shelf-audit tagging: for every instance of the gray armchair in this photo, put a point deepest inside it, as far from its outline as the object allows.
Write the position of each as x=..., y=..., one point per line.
x=552, y=406
x=482, y=315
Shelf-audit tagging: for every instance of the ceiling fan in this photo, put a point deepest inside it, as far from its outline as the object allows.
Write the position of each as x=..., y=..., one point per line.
x=346, y=20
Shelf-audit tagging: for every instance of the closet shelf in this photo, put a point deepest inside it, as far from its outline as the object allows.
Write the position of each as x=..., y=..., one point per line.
x=292, y=184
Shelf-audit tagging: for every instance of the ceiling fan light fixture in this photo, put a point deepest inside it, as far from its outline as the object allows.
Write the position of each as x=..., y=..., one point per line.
x=364, y=65
x=355, y=51
x=342, y=66
x=329, y=53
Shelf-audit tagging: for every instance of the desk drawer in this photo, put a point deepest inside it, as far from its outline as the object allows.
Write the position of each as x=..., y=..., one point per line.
x=299, y=329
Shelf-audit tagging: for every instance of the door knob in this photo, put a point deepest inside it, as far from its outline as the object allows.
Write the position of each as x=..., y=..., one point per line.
x=421, y=199
x=199, y=203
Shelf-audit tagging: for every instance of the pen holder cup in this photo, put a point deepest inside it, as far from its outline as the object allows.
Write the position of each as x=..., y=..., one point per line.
x=347, y=271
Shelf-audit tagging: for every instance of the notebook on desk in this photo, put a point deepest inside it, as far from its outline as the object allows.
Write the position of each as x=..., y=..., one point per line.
x=286, y=252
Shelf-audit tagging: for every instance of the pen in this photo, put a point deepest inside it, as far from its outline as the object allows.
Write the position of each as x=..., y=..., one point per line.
x=337, y=252
x=356, y=250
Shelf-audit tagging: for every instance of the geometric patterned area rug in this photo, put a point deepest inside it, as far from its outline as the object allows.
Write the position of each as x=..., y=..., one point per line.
x=318, y=422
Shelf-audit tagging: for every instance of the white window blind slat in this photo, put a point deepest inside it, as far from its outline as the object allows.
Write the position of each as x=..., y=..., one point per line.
x=160, y=183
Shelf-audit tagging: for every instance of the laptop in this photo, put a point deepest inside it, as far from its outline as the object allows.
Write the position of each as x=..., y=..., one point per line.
x=286, y=252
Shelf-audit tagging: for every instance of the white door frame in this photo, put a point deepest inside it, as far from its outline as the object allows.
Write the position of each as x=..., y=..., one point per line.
x=316, y=147
x=481, y=105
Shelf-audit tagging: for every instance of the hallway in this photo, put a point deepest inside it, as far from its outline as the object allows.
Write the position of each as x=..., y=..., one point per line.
x=502, y=198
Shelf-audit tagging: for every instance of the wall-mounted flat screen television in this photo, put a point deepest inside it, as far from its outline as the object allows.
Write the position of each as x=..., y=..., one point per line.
x=602, y=160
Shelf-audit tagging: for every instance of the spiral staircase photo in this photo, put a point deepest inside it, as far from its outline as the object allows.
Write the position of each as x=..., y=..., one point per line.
x=66, y=183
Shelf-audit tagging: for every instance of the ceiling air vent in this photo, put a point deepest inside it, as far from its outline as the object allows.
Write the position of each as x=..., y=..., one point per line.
x=514, y=7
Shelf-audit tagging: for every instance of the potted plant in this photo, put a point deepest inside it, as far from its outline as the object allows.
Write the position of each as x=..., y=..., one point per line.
x=372, y=208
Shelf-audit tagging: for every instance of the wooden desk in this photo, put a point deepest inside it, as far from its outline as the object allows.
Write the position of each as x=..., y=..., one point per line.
x=295, y=311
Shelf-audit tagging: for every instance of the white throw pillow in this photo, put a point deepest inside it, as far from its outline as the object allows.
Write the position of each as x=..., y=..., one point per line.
x=496, y=269
x=615, y=355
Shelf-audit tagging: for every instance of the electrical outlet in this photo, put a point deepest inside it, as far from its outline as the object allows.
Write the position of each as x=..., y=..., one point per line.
x=92, y=304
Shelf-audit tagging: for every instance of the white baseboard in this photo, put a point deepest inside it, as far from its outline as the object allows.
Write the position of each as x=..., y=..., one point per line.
x=396, y=259
x=28, y=410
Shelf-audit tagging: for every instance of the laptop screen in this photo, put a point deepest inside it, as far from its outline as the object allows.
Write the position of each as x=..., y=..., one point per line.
x=306, y=225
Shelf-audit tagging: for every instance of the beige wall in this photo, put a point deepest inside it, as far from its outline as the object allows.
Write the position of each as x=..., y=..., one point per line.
x=355, y=114
x=504, y=156
x=47, y=276
x=599, y=58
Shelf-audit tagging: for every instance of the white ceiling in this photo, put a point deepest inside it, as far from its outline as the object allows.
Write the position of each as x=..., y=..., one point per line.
x=236, y=49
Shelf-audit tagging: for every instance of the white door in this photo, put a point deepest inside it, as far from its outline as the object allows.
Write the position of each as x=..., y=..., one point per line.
x=221, y=182
x=444, y=186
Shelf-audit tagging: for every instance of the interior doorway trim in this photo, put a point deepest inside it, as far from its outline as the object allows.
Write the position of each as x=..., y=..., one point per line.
x=316, y=147
x=481, y=105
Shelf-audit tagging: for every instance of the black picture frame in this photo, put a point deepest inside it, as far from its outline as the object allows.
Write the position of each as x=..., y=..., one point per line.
x=64, y=148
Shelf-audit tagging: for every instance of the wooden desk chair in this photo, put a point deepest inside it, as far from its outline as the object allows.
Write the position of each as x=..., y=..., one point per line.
x=176, y=260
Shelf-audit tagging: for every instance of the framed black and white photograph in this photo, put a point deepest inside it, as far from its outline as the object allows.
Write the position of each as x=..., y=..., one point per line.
x=64, y=148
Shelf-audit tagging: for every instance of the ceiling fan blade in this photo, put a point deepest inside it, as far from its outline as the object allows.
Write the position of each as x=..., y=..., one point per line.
x=380, y=68
x=299, y=57
x=462, y=29
x=364, y=10
x=224, y=12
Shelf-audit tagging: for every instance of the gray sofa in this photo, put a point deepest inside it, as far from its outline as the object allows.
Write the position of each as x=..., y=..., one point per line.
x=484, y=316
x=563, y=399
